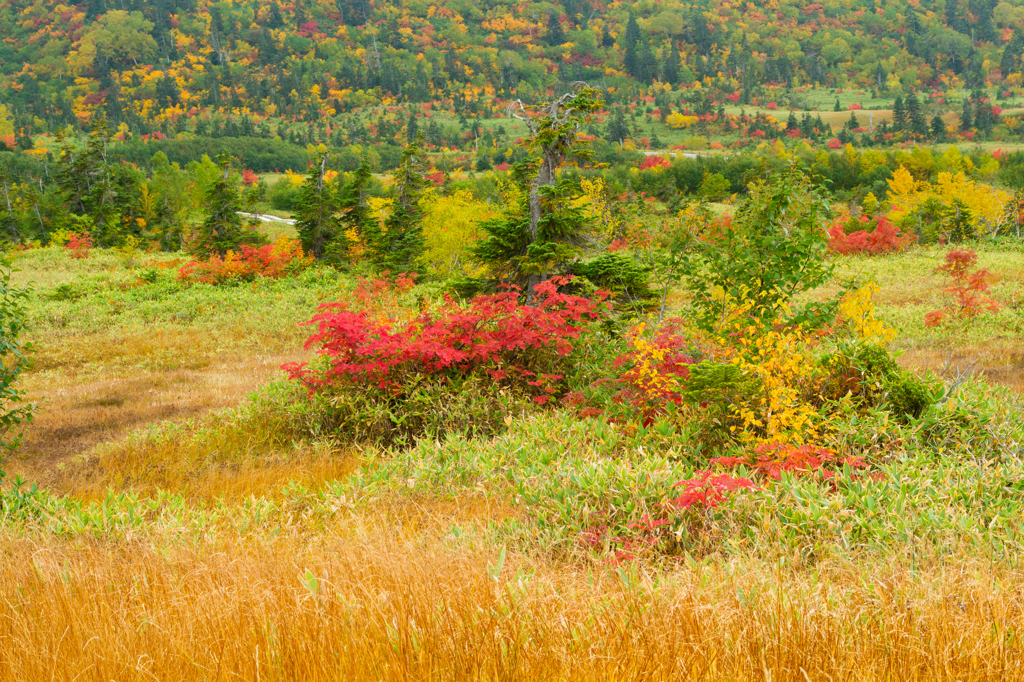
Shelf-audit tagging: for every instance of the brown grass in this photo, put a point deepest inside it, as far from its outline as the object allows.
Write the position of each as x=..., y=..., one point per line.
x=100, y=388
x=401, y=611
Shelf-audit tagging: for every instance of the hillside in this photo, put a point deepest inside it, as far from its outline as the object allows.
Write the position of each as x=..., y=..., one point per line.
x=259, y=67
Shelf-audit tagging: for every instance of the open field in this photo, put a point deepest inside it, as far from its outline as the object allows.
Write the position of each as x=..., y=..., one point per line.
x=191, y=529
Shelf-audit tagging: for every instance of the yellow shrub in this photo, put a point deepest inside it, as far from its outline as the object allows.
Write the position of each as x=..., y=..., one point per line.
x=450, y=226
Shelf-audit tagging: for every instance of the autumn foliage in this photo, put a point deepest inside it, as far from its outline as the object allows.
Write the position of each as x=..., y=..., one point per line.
x=78, y=245
x=515, y=344
x=968, y=288
x=282, y=258
x=883, y=238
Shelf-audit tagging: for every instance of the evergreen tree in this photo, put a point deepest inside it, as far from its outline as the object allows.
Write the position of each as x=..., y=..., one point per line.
x=853, y=123
x=915, y=117
x=316, y=221
x=670, y=69
x=838, y=106
x=398, y=247
x=632, y=31
x=648, y=65
x=938, y=129
x=630, y=61
x=539, y=236
x=618, y=129
x=806, y=126
x=899, y=115
x=966, y=117
x=959, y=223
x=87, y=183
x=222, y=231
x=556, y=35
x=792, y=124
x=353, y=213
x=411, y=129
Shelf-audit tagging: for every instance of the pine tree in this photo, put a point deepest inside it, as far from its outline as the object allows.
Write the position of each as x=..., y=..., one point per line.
x=853, y=123
x=222, y=231
x=670, y=69
x=899, y=115
x=540, y=235
x=959, y=223
x=556, y=34
x=398, y=247
x=87, y=184
x=648, y=65
x=630, y=61
x=618, y=129
x=353, y=213
x=915, y=117
x=838, y=106
x=411, y=129
x=966, y=117
x=632, y=31
x=938, y=129
x=316, y=221
x=792, y=124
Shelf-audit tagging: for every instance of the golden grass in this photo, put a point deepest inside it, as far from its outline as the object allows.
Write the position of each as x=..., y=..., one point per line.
x=350, y=609
x=107, y=386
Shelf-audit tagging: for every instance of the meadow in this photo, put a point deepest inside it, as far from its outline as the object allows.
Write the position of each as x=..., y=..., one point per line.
x=186, y=517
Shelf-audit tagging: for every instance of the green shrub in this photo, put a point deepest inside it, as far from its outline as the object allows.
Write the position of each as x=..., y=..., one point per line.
x=869, y=373
x=621, y=274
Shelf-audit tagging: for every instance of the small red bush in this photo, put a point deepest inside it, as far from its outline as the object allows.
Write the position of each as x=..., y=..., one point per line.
x=248, y=263
x=78, y=245
x=884, y=238
x=968, y=287
x=495, y=334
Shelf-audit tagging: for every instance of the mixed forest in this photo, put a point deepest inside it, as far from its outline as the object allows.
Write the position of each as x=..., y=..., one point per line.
x=509, y=340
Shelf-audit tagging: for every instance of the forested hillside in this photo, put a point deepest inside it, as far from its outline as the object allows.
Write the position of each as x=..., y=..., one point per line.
x=255, y=66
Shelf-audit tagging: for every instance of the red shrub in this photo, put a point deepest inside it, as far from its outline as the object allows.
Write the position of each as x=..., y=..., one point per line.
x=78, y=245
x=884, y=238
x=705, y=490
x=493, y=334
x=654, y=162
x=968, y=288
x=277, y=260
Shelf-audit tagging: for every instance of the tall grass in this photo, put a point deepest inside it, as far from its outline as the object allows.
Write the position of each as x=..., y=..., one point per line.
x=351, y=610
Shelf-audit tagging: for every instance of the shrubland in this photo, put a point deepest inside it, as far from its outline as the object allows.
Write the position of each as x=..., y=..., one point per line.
x=545, y=424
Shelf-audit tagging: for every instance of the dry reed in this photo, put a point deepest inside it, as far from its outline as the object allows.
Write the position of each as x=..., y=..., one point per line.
x=347, y=609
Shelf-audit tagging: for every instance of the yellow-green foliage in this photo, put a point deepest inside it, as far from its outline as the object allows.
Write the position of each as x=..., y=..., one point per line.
x=450, y=225
x=986, y=203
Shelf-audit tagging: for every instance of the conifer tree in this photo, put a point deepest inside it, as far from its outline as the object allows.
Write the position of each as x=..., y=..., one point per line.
x=915, y=117
x=411, y=129
x=938, y=129
x=84, y=178
x=959, y=222
x=539, y=236
x=556, y=35
x=398, y=246
x=353, y=213
x=899, y=115
x=670, y=69
x=222, y=231
x=316, y=221
x=966, y=117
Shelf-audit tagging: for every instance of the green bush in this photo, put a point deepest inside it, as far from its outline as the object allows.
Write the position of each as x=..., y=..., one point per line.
x=869, y=374
x=284, y=196
x=621, y=274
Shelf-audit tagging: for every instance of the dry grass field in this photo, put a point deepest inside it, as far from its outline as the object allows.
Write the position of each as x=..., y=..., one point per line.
x=190, y=533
